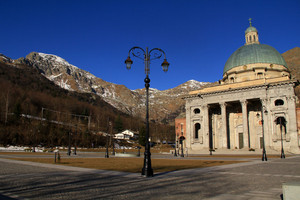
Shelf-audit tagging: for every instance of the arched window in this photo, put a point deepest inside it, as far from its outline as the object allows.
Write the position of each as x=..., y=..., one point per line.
x=196, y=110
x=279, y=102
x=197, y=128
x=280, y=120
x=250, y=38
x=254, y=39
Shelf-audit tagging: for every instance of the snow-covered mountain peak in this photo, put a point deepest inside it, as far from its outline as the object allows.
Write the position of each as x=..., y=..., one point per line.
x=194, y=84
x=5, y=59
x=56, y=59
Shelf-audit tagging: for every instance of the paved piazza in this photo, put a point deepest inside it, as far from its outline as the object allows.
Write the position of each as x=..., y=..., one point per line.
x=252, y=180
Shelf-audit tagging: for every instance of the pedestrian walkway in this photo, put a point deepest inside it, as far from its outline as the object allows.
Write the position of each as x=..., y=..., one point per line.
x=273, y=193
x=251, y=180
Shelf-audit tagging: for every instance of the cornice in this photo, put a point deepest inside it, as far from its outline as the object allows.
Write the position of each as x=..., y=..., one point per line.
x=240, y=89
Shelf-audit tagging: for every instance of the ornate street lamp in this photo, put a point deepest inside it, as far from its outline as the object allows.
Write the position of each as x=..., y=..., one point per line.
x=282, y=151
x=264, y=154
x=156, y=53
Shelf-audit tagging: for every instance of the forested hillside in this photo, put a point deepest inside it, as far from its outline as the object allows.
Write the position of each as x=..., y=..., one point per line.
x=35, y=110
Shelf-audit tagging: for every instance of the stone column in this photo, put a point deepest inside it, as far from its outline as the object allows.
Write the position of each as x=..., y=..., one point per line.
x=205, y=126
x=245, y=124
x=223, y=139
x=292, y=134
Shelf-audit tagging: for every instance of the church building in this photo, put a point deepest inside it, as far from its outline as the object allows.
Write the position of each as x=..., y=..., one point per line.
x=253, y=104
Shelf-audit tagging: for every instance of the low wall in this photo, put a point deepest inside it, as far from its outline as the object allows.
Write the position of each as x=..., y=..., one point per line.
x=291, y=191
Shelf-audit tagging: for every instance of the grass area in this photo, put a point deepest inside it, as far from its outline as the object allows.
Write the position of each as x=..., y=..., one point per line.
x=236, y=156
x=131, y=164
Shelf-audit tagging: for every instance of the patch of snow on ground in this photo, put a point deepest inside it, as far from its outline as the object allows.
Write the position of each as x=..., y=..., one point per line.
x=18, y=148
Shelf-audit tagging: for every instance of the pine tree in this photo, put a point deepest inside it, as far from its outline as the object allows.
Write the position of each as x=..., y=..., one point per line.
x=119, y=124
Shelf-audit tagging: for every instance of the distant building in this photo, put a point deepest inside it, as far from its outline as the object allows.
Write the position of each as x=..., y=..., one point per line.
x=125, y=135
x=255, y=97
x=180, y=129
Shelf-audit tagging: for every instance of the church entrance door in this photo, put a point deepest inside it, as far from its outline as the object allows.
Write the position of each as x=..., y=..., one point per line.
x=241, y=140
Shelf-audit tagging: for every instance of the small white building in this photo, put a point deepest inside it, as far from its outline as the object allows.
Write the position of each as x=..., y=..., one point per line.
x=125, y=135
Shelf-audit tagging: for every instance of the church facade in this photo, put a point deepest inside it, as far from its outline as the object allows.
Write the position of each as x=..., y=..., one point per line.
x=253, y=104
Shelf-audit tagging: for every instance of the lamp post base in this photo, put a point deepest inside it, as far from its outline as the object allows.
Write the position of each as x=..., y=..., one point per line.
x=282, y=154
x=264, y=156
x=147, y=172
x=147, y=169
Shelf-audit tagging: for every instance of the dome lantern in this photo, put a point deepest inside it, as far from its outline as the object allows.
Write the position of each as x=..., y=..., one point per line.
x=251, y=34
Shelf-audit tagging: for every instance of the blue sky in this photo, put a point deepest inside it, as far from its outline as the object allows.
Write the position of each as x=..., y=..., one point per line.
x=198, y=36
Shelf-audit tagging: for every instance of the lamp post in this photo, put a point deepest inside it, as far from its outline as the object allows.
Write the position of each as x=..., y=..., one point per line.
x=146, y=56
x=282, y=151
x=69, y=146
x=264, y=154
x=177, y=145
x=111, y=137
x=181, y=142
x=175, y=153
x=106, y=146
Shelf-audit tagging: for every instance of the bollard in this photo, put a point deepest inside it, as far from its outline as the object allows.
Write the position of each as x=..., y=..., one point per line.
x=58, y=157
x=139, y=151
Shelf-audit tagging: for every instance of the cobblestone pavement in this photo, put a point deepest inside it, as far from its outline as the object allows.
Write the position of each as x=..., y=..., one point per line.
x=251, y=180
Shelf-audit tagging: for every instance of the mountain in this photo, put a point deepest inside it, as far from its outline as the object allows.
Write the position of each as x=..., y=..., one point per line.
x=35, y=110
x=26, y=92
x=164, y=105
x=292, y=58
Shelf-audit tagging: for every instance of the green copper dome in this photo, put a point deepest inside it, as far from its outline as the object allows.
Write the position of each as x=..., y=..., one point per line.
x=250, y=29
x=254, y=53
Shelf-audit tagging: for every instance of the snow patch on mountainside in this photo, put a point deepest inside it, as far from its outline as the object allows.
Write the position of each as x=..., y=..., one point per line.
x=52, y=77
x=64, y=84
x=193, y=84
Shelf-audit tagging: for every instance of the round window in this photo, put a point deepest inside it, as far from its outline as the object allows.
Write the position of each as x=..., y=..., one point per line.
x=279, y=102
x=196, y=110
